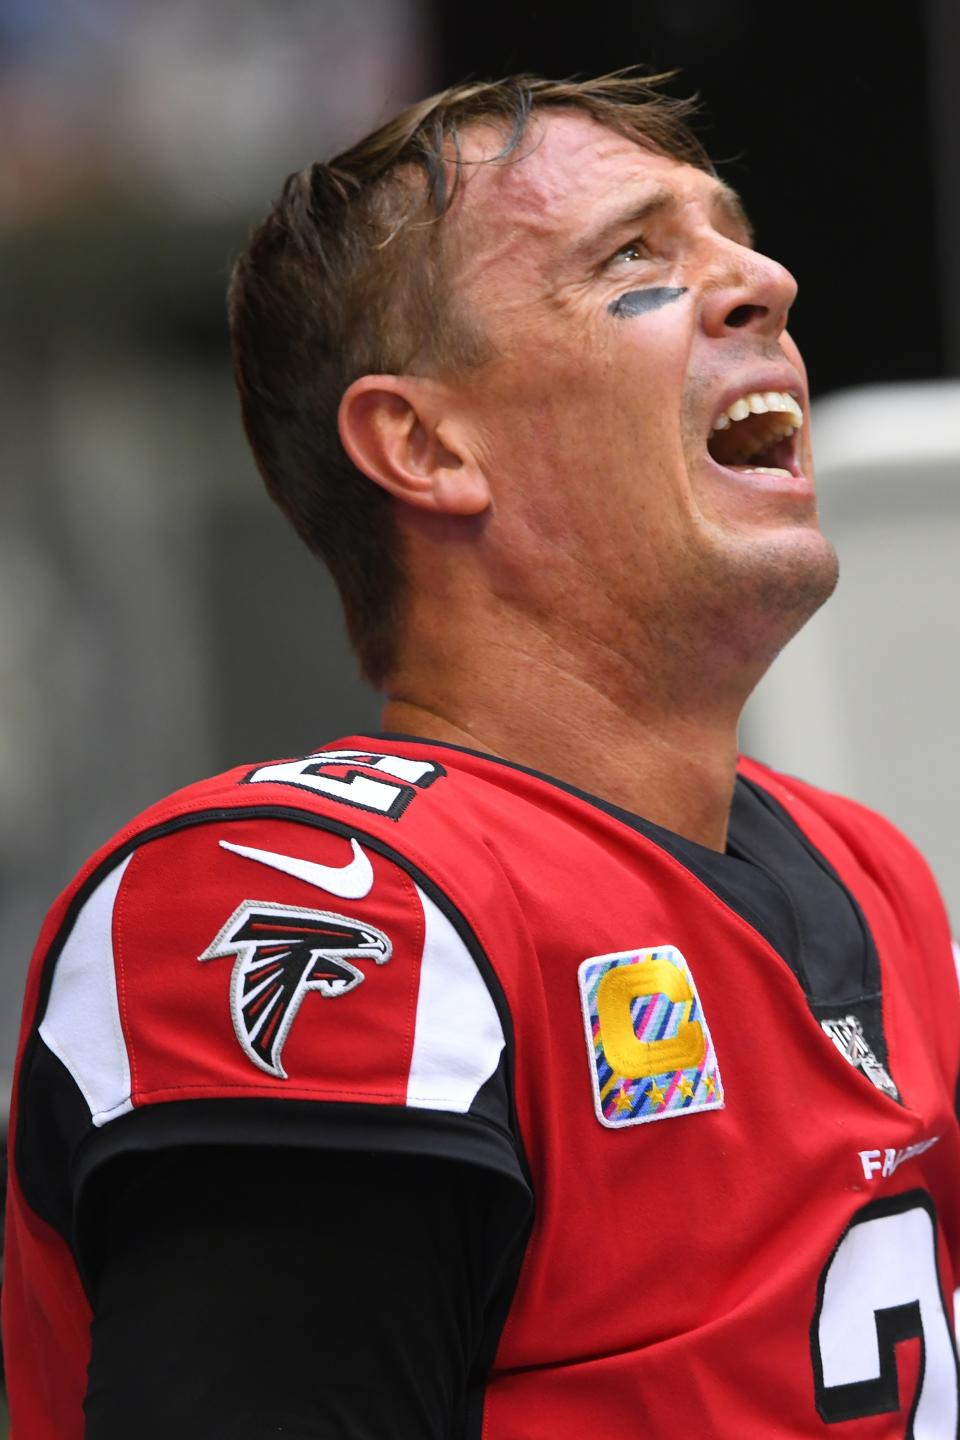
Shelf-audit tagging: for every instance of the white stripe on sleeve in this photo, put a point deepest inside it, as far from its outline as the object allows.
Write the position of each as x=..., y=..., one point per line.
x=82, y=1022
x=458, y=1036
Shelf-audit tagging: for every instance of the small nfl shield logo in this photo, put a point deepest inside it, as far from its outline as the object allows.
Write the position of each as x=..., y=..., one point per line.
x=650, y=1051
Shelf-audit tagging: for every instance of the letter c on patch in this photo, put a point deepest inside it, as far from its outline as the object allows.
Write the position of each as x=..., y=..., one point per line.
x=635, y=1058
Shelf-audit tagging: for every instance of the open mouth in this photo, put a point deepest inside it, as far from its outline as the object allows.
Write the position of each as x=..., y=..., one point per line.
x=757, y=434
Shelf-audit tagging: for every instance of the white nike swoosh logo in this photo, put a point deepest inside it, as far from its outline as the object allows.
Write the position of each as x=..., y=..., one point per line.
x=350, y=882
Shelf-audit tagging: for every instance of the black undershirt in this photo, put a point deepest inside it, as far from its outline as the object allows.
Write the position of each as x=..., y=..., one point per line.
x=246, y=1293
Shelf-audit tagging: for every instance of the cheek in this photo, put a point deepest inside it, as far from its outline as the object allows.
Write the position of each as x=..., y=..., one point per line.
x=603, y=411
x=648, y=340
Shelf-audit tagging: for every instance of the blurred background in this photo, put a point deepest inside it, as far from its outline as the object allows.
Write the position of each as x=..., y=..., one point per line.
x=144, y=574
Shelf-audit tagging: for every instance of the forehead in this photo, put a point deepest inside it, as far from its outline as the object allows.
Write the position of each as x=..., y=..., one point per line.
x=568, y=172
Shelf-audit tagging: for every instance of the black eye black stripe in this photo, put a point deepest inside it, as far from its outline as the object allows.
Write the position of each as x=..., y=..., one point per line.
x=641, y=302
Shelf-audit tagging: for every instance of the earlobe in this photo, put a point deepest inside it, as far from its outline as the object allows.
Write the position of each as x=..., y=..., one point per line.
x=395, y=430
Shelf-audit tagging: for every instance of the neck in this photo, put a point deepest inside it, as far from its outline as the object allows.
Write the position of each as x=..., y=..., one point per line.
x=633, y=739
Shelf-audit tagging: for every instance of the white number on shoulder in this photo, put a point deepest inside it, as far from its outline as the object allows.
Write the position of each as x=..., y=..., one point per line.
x=384, y=784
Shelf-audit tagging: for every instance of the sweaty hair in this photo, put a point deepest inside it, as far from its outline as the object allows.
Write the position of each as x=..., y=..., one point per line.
x=350, y=274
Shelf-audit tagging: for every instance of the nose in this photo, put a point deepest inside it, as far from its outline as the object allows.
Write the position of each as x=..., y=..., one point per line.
x=750, y=292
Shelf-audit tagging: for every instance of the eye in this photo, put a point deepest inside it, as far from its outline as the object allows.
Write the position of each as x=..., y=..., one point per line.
x=634, y=250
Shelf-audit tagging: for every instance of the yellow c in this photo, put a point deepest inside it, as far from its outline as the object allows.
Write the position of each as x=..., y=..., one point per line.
x=632, y=1058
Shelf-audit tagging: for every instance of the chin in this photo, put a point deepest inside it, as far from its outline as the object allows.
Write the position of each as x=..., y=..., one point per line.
x=768, y=587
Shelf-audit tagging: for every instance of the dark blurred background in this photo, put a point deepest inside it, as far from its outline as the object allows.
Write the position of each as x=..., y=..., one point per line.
x=144, y=578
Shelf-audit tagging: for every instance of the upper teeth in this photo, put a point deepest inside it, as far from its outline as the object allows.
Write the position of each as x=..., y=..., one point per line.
x=759, y=402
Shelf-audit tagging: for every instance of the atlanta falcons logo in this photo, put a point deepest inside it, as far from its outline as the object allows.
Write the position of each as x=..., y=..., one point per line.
x=282, y=951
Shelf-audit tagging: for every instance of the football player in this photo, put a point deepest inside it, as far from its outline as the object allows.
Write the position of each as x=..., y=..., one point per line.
x=537, y=1067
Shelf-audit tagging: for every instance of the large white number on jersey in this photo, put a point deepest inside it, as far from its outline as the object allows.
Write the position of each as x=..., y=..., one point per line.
x=881, y=1285
x=352, y=785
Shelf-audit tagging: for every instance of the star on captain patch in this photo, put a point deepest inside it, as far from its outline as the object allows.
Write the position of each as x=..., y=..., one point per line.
x=649, y=1046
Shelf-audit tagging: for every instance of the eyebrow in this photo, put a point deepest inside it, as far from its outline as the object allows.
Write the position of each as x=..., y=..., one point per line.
x=724, y=202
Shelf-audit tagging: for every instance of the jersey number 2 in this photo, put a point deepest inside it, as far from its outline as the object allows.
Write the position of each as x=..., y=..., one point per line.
x=881, y=1285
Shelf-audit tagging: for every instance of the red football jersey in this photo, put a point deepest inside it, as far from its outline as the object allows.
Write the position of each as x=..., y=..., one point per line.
x=745, y=1189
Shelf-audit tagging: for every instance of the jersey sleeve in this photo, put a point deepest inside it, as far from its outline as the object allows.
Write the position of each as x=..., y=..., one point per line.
x=254, y=980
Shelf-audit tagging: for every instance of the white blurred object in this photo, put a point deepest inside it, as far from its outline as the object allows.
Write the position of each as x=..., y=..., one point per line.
x=865, y=700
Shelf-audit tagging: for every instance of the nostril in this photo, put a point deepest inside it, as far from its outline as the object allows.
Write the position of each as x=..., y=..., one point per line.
x=741, y=315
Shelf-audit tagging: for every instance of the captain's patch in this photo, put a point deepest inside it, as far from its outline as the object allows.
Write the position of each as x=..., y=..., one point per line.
x=649, y=1046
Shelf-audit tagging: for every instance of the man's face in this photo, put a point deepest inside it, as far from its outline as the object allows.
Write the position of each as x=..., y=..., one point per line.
x=629, y=314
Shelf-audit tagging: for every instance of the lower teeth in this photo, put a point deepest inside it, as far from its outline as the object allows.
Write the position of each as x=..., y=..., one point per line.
x=759, y=470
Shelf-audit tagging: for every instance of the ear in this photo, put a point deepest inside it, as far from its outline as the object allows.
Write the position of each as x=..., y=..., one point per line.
x=402, y=432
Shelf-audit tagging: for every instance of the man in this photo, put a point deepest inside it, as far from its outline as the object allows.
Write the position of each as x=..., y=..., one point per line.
x=336, y=1102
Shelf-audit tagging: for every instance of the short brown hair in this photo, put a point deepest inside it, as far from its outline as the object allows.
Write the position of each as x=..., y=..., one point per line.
x=346, y=276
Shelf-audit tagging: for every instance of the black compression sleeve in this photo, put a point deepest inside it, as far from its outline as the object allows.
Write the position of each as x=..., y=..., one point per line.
x=314, y=1295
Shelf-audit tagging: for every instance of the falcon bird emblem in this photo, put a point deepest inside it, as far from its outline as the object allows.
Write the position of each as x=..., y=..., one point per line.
x=281, y=952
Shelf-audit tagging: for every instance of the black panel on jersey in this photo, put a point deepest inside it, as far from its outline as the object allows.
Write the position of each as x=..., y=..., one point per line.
x=831, y=950
x=492, y=1100
x=833, y=953
x=331, y=1297
x=48, y=1141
